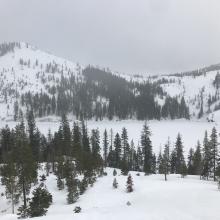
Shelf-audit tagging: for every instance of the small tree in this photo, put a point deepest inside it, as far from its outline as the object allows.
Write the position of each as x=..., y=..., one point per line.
x=60, y=183
x=115, y=184
x=40, y=202
x=130, y=184
x=43, y=178
x=114, y=172
x=73, y=192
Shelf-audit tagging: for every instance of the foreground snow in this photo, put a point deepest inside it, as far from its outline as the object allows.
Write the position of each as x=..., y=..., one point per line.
x=152, y=199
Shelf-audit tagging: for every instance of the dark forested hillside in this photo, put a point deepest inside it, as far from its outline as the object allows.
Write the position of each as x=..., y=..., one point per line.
x=102, y=94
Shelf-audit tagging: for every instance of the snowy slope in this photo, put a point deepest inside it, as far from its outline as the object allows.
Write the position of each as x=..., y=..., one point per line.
x=191, y=88
x=152, y=199
x=27, y=69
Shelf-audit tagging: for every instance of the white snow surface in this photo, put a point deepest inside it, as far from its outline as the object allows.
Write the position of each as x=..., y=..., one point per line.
x=152, y=199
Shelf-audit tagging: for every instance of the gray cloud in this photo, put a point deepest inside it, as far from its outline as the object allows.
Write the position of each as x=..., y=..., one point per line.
x=134, y=36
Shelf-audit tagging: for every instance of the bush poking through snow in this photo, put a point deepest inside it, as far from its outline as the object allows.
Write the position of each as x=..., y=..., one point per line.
x=114, y=172
x=77, y=209
x=115, y=183
x=43, y=178
x=130, y=184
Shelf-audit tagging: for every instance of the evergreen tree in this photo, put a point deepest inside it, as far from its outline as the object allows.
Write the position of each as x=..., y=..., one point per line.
x=117, y=146
x=66, y=136
x=173, y=159
x=33, y=136
x=206, y=168
x=105, y=147
x=160, y=163
x=180, y=161
x=147, y=149
x=190, y=165
x=125, y=145
x=60, y=169
x=114, y=172
x=130, y=184
x=40, y=202
x=95, y=145
x=166, y=160
x=72, y=187
x=26, y=166
x=197, y=160
x=214, y=150
x=115, y=184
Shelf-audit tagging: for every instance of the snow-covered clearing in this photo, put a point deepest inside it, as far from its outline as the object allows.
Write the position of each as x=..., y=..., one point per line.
x=152, y=199
x=191, y=131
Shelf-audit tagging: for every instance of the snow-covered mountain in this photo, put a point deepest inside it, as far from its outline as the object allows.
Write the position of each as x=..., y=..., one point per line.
x=200, y=90
x=25, y=69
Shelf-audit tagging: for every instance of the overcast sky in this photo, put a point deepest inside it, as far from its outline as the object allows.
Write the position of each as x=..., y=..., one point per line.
x=134, y=36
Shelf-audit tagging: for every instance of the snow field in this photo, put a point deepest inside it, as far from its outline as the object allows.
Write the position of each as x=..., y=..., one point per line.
x=152, y=199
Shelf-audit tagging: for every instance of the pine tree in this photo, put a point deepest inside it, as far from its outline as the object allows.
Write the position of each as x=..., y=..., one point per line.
x=173, y=161
x=154, y=164
x=77, y=146
x=166, y=160
x=197, y=160
x=60, y=169
x=190, y=165
x=140, y=160
x=147, y=149
x=40, y=202
x=26, y=166
x=105, y=147
x=180, y=161
x=66, y=136
x=214, y=150
x=130, y=184
x=114, y=172
x=117, y=146
x=115, y=184
x=206, y=168
x=72, y=187
x=160, y=163
x=33, y=136
x=95, y=145
x=125, y=145
x=72, y=182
